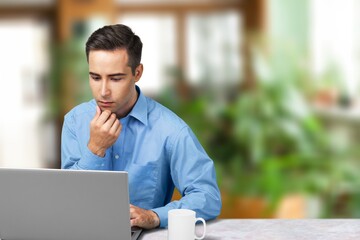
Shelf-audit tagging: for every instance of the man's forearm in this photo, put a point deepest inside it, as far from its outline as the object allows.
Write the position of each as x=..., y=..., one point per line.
x=205, y=205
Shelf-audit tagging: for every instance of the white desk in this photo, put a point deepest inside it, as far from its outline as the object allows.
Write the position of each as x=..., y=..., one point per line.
x=272, y=229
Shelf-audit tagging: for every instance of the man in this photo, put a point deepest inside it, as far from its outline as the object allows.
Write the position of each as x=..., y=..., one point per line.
x=121, y=129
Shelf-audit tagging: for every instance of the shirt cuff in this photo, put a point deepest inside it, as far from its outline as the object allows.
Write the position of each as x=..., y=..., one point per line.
x=91, y=161
x=162, y=212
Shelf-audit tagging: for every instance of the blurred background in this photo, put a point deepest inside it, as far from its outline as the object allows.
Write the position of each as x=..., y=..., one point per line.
x=270, y=87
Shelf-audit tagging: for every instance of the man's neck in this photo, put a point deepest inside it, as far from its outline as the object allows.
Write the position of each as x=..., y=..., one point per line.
x=129, y=107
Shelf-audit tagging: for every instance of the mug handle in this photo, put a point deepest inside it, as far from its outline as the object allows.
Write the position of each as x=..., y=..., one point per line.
x=204, y=224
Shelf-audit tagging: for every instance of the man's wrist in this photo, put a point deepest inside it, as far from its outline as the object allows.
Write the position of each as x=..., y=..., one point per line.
x=96, y=150
x=156, y=219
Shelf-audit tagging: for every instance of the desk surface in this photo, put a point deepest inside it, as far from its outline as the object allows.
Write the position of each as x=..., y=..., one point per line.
x=272, y=229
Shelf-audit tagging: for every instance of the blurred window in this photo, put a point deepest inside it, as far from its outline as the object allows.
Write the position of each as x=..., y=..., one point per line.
x=335, y=41
x=157, y=32
x=213, y=48
x=24, y=62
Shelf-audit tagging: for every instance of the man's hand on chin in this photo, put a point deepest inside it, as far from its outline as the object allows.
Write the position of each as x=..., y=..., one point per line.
x=143, y=218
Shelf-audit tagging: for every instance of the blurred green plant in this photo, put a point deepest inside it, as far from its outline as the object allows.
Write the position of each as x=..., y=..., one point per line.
x=278, y=145
x=69, y=74
x=266, y=142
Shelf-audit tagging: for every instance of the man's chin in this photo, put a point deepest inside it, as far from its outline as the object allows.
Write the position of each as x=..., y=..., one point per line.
x=106, y=106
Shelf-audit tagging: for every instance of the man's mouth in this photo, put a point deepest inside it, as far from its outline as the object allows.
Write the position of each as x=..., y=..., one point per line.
x=105, y=103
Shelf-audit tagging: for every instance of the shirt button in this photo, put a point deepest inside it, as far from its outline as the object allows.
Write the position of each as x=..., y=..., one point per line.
x=117, y=156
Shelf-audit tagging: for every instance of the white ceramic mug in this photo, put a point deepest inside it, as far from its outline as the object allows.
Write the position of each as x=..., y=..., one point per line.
x=181, y=225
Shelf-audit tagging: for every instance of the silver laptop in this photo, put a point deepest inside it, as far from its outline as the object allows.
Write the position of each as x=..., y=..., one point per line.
x=50, y=204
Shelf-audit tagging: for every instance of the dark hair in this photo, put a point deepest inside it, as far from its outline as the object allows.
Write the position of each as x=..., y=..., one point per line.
x=115, y=37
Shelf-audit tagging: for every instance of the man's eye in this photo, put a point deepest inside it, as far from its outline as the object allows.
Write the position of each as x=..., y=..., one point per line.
x=95, y=78
x=116, y=79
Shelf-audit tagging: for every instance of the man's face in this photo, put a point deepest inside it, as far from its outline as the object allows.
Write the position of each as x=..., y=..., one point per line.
x=112, y=82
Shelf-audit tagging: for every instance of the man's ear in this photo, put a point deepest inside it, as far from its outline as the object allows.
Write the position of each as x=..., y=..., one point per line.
x=138, y=72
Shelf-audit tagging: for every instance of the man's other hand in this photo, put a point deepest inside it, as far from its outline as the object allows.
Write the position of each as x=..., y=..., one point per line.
x=105, y=129
x=143, y=218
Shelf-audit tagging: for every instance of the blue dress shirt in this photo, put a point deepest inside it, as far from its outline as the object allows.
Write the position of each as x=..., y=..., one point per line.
x=157, y=149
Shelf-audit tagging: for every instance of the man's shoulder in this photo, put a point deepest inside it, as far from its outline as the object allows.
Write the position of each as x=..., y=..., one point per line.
x=159, y=114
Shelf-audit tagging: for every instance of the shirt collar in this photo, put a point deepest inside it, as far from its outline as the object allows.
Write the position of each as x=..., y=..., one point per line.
x=139, y=110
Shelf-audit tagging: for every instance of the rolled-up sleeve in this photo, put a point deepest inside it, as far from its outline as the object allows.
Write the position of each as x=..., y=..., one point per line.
x=193, y=174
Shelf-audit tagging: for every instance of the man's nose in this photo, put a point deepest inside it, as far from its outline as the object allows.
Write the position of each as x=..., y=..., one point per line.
x=105, y=90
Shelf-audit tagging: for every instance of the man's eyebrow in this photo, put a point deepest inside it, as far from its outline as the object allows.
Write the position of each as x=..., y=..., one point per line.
x=91, y=73
x=117, y=74
x=110, y=75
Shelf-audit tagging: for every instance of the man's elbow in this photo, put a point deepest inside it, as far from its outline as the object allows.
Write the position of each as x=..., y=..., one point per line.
x=214, y=208
x=218, y=206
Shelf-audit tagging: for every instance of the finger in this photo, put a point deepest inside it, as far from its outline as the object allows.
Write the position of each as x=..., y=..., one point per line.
x=110, y=121
x=132, y=208
x=97, y=114
x=118, y=130
x=114, y=128
x=133, y=222
x=104, y=116
x=133, y=213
